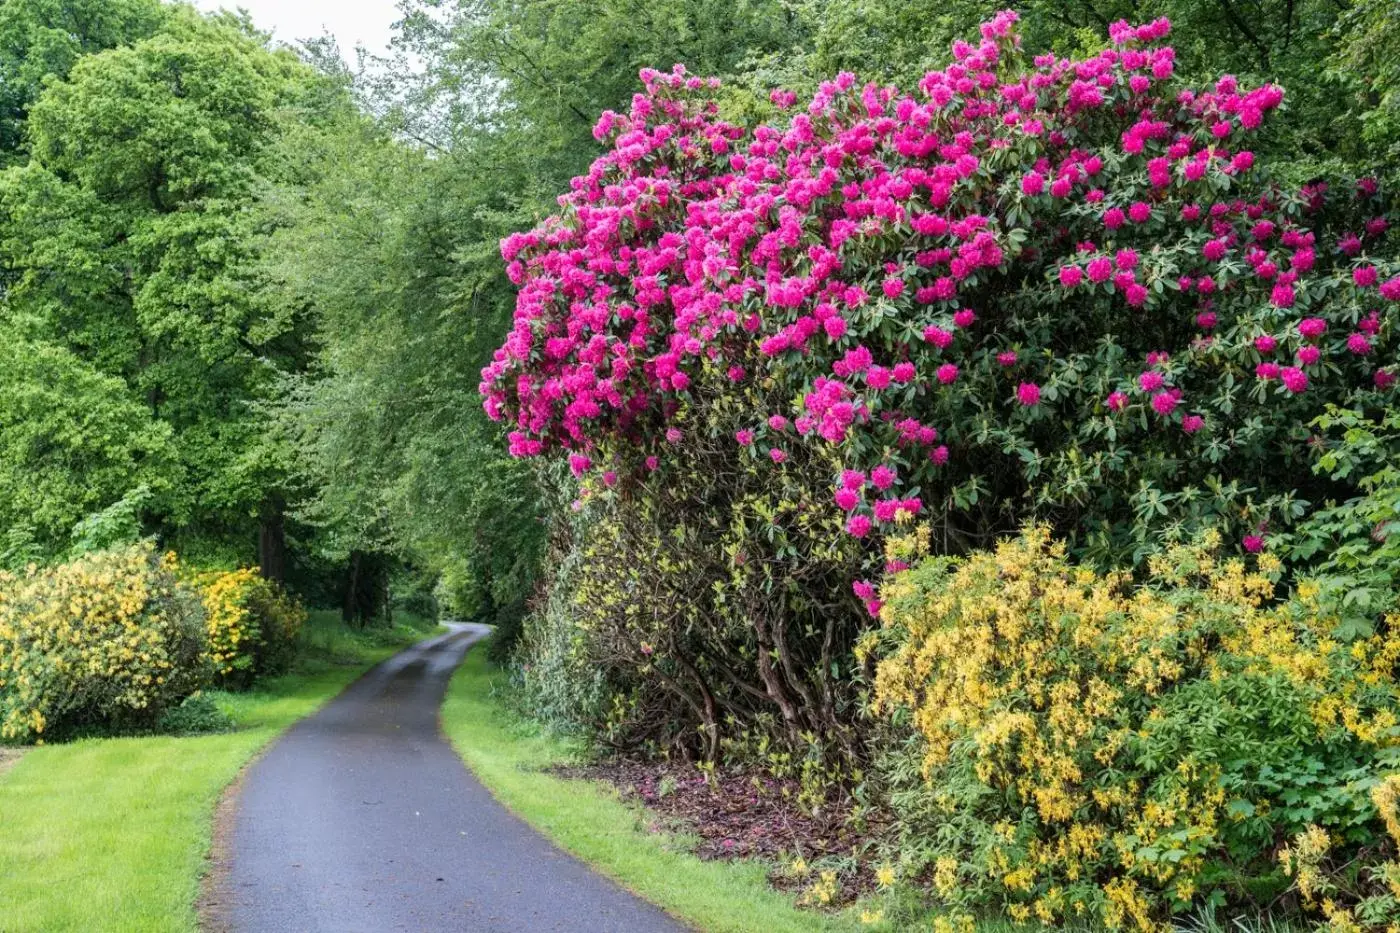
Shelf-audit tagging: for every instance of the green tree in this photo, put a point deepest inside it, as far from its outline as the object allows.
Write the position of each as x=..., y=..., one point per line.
x=130, y=238
x=40, y=39
x=537, y=73
x=1365, y=63
x=72, y=442
x=395, y=252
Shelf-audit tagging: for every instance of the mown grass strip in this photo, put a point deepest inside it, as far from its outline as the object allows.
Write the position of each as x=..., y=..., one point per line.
x=508, y=754
x=112, y=834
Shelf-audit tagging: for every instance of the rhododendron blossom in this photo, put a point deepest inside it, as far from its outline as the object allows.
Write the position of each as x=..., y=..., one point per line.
x=882, y=477
x=1294, y=379
x=1150, y=381
x=1164, y=403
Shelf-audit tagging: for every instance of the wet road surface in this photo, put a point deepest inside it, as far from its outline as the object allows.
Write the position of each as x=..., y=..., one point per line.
x=362, y=819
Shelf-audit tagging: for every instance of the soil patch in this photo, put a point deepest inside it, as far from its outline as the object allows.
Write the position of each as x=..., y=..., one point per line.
x=9, y=757
x=212, y=905
x=743, y=815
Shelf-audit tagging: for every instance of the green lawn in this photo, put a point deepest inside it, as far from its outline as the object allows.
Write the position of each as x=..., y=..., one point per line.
x=590, y=821
x=112, y=834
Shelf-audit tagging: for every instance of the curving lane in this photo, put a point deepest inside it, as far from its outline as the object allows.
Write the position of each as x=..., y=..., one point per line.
x=362, y=819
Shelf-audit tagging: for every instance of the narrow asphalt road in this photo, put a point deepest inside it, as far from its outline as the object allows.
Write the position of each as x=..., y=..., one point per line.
x=362, y=819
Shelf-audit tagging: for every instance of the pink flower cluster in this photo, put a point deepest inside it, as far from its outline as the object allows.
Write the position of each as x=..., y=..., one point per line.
x=860, y=254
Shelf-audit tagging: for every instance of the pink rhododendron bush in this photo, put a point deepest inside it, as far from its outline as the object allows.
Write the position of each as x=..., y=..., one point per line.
x=1029, y=287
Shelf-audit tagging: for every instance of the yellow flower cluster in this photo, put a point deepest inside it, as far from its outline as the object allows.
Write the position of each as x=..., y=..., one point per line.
x=955, y=923
x=109, y=638
x=1041, y=682
x=232, y=630
x=247, y=621
x=1330, y=889
x=823, y=891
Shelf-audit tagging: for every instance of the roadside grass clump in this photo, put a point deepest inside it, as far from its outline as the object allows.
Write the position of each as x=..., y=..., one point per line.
x=197, y=714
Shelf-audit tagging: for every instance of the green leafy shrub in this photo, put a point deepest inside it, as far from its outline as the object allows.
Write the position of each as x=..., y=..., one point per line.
x=560, y=685
x=108, y=641
x=714, y=601
x=510, y=622
x=1080, y=749
x=197, y=714
x=1353, y=546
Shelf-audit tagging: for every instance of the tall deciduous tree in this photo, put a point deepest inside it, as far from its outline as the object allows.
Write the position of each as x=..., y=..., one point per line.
x=130, y=238
x=72, y=442
x=395, y=252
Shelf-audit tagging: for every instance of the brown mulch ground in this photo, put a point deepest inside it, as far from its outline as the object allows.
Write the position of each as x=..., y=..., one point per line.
x=738, y=815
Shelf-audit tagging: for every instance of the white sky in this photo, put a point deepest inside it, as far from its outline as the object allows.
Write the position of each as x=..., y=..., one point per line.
x=352, y=22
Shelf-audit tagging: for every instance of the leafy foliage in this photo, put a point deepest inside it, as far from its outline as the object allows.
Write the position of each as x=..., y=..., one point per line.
x=197, y=714
x=1353, y=545
x=109, y=640
x=1125, y=289
x=388, y=438
x=40, y=39
x=72, y=442
x=1089, y=750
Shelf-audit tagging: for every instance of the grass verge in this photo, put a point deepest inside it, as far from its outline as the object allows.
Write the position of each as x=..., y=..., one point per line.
x=508, y=754
x=112, y=834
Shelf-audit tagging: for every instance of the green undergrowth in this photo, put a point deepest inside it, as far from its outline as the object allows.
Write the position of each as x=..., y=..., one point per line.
x=112, y=834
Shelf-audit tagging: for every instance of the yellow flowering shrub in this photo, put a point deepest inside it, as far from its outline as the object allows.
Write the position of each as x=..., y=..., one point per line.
x=251, y=625
x=1083, y=749
x=1351, y=897
x=109, y=640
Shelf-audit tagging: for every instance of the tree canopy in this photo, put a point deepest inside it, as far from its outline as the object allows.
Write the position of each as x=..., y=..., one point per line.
x=290, y=265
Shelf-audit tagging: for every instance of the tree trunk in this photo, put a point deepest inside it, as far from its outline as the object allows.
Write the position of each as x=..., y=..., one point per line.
x=352, y=586
x=272, y=541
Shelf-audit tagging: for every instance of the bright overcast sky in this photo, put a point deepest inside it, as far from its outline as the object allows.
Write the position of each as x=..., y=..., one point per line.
x=352, y=22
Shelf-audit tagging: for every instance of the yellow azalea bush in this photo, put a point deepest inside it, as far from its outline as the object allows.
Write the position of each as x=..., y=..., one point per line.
x=1082, y=748
x=251, y=625
x=109, y=640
